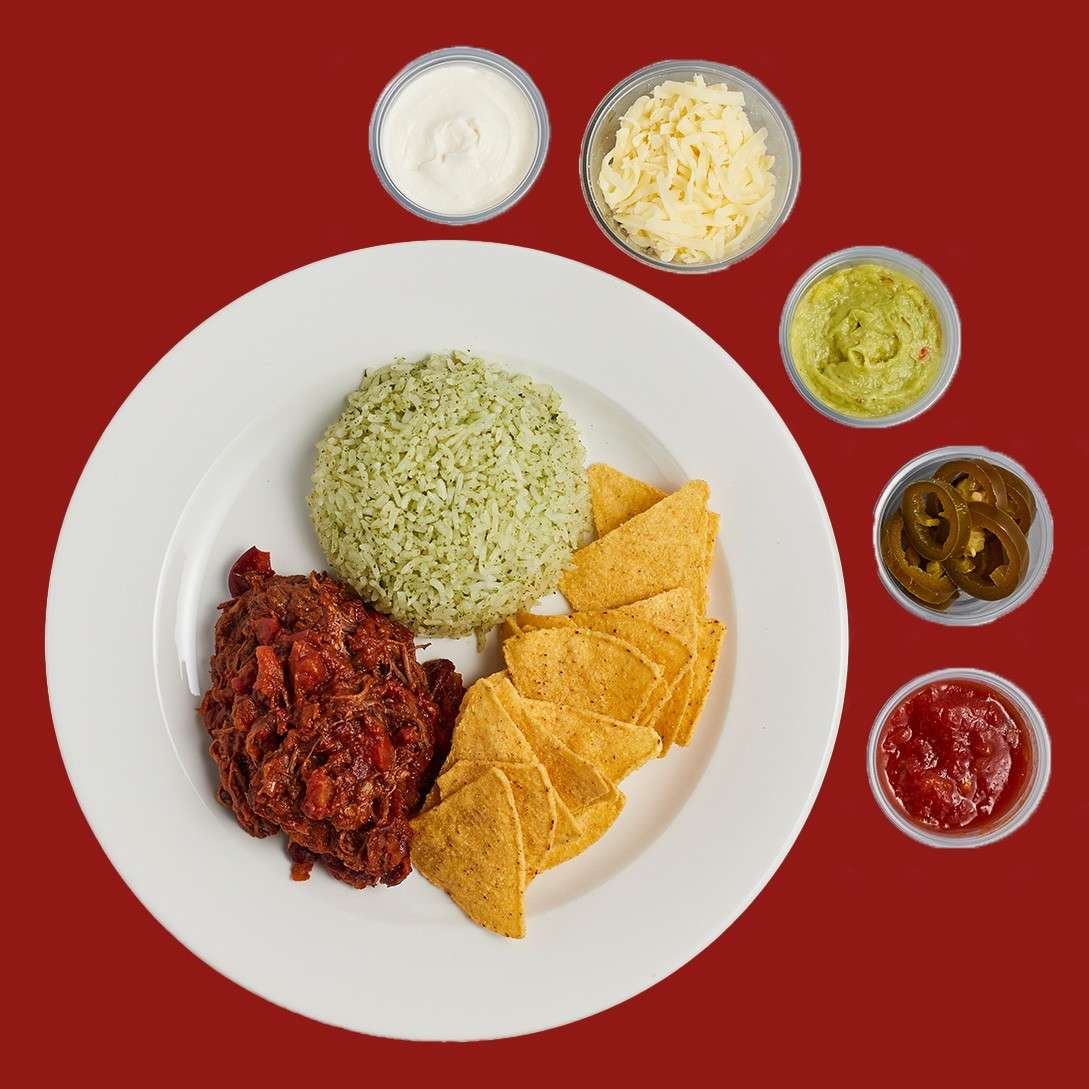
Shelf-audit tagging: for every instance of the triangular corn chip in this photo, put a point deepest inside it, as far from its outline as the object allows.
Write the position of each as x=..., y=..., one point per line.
x=673, y=611
x=567, y=833
x=702, y=671
x=674, y=713
x=615, y=497
x=593, y=824
x=534, y=799
x=666, y=651
x=580, y=668
x=615, y=748
x=576, y=781
x=660, y=549
x=523, y=622
x=470, y=845
x=710, y=533
x=484, y=731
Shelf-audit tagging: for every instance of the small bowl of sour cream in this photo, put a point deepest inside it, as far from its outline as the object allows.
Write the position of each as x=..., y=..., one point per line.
x=459, y=135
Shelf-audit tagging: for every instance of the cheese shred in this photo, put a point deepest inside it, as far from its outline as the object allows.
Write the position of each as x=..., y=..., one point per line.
x=688, y=179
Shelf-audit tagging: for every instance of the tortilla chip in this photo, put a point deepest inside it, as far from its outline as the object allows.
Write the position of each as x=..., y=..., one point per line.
x=567, y=833
x=665, y=650
x=581, y=668
x=615, y=497
x=504, y=691
x=702, y=671
x=475, y=692
x=654, y=642
x=615, y=748
x=576, y=779
x=656, y=701
x=673, y=611
x=470, y=845
x=660, y=549
x=523, y=622
x=534, y=799
x=672, y=715
x=484, y=731
x=711, y=532
x=593, y=824
x=577, y=782
x=533, y=621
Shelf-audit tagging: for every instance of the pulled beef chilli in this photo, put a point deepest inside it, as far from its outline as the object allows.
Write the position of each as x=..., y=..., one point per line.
x=322, y=723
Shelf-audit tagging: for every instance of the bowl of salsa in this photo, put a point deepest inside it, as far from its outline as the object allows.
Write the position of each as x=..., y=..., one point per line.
x=958, y=758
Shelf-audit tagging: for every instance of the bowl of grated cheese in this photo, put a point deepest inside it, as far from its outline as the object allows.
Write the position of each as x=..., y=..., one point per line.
x=690, y=166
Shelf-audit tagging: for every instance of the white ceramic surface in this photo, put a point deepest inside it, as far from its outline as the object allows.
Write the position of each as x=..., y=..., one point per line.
x=211, y=453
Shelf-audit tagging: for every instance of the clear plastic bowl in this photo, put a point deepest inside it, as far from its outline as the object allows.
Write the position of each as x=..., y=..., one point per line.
x=913, y=269
x=764, y=111
x=966, y=611
x=1031, y=791
x=462, y=54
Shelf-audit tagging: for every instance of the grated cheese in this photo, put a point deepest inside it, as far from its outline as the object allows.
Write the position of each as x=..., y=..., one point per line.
x=688, y=178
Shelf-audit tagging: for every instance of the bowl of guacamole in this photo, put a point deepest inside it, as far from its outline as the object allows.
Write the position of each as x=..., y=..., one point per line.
x=870, y=336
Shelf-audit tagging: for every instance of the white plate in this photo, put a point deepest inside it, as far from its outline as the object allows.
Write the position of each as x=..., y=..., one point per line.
x=211, y=453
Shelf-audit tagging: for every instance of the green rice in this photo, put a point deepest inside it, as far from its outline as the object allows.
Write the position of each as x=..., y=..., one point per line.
x=450, y=493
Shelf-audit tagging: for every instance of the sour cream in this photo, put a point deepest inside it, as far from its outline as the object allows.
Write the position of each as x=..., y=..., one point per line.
x=459, y=138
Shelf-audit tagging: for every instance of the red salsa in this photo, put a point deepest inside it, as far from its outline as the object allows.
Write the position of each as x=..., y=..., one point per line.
x=955, y=754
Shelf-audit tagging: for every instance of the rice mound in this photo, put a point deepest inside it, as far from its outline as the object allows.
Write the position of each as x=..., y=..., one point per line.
x=450, y=493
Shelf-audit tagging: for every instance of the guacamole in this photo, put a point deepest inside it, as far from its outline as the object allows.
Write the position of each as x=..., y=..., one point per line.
x=866, y=341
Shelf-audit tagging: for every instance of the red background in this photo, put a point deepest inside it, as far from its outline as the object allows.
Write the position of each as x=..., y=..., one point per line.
x=162, y=168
